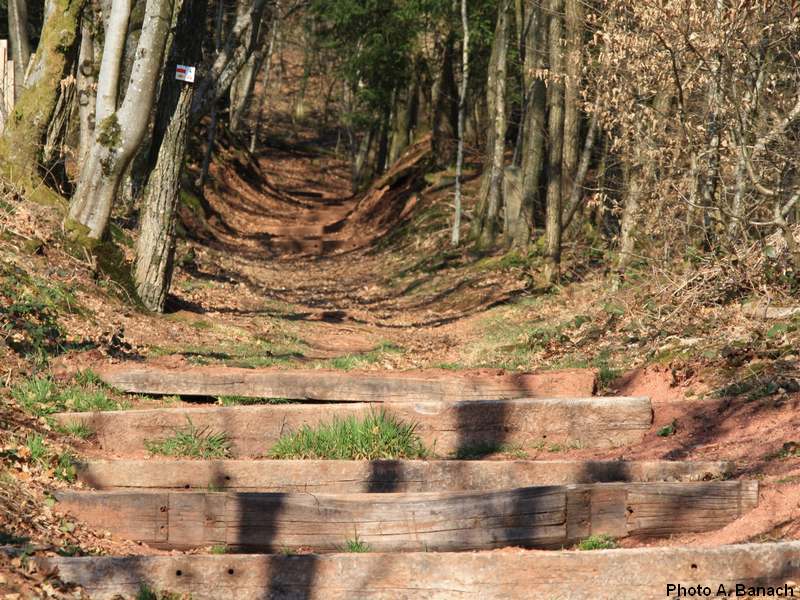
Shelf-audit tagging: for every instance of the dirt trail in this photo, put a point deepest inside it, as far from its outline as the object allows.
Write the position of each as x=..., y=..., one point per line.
x=286, y=238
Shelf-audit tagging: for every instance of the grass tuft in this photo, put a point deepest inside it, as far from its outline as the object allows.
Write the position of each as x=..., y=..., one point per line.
x=379, y=435
x=191, y=442
x=598, y=542
x=356, y=546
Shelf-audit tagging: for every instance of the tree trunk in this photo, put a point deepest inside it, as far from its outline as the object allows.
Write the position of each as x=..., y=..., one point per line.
x=401, y=121
x=20, y=147
x=455, y=238
x=533, y=126
x=213, y=118
x=155, y=248
x=86, y=88
x=119, y=135
x=555, y=128
x=495, y=187
x=572, y=81
x=228, y=62
x=20, y=45
x=242, y=87
x=111, y=65
x=266, y=78
x=445, y=109
x=639, y=170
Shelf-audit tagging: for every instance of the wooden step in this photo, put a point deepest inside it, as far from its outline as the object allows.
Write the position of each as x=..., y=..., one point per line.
x=351, y=386
x=536, y=517
x=636, y=574
x=445, y=426
x=348, y=477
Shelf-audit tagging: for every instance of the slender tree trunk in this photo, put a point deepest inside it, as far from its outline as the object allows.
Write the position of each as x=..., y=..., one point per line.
x=212, y=125
x=534, y=124
x=455, y=238
x=638, y=172
x=86, y=87
x=266, y=78
x=555, y=127
x=229, y=61
x=242, y=87
x=445, y=108
x=481, y=214
x=572, y=81
x=401, y=122
x=20, y=146
x=110, y=68
x=119, y=135
x=495, y=187
x=155, y=248
x=20, y=45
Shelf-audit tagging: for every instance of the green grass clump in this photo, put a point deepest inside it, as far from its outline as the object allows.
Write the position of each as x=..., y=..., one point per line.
x=192, y=442
x=598, y=542
x=356, y=546
x=41, y=396
x=379, y=435
x=668, y=430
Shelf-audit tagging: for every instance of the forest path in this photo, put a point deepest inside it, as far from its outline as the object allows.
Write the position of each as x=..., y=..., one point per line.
x=280, y=229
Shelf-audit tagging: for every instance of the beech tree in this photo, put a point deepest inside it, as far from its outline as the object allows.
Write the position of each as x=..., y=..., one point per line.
x=120, y=130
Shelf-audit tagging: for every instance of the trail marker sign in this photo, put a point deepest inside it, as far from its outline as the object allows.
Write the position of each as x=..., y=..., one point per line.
x=184, y=73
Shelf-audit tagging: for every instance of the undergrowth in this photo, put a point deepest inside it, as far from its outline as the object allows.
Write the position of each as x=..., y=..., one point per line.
x=41, y=396
x=378, y=435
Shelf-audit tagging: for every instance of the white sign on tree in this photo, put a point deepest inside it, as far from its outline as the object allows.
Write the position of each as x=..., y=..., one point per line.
x=184, y=73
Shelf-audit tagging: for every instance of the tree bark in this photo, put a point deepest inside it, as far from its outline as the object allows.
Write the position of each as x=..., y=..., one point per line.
x=555, y=128
x=639, y=170
x=495, y=186
x=119, y=135
x=533, y=125
x=20, y=45
x=20, y=147
x=455, y=238
x=266, y=77
x=87, y=96
x=110, y=67
x=572, y=80
x=241, y=91
x=445, y=109
x=229, y=61
x=155, y=248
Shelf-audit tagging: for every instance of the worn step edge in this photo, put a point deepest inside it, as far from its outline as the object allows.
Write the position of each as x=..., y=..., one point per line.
x=352, y=386
x=634, y=574
x=447, y=427
x=538, y=517
x=345, y=476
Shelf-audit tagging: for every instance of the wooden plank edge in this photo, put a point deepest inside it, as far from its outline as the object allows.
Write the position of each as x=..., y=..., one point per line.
x=181, y=520
x=351, y=386
x=629, y=574
x=447, y=427
x=342, y=476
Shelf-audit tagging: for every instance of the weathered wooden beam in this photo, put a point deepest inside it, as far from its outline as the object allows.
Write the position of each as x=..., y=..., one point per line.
x=447, y=427
x=345, y=476
x=533, y=517
x=633, y=574
x=351, y=386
